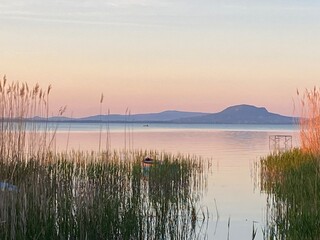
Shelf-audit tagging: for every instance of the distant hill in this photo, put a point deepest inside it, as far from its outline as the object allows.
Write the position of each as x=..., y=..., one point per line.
x=241, y=114
x=166, y=116
x=238, y=114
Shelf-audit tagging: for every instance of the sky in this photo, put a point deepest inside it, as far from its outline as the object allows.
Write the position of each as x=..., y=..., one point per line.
x=151, y=56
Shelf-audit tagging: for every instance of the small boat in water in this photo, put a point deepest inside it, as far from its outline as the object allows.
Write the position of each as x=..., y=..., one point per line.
x=148, y=161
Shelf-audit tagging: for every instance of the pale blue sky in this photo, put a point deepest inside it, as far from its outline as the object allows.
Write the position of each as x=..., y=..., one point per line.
x=156, y=55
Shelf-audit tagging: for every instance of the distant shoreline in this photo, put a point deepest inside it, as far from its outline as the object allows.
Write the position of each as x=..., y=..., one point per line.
x=144, y=122
x=238, y=114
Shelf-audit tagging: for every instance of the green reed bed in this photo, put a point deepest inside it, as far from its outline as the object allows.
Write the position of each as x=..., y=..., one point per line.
x=90, y=196
x=292, y=180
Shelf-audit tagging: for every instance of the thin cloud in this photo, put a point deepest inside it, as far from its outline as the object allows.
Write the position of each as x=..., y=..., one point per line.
x=120, y=12
x=142, y=12
x=65, y=20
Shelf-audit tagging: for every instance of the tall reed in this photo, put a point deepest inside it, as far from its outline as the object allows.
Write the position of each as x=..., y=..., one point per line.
x=82, y=195
x=292, y=182
x=88, y=195
x=309, y=103
x=21, y=138
x=292, y=179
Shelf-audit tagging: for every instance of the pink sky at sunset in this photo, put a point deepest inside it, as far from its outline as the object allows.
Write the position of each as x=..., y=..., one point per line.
x=152, y=57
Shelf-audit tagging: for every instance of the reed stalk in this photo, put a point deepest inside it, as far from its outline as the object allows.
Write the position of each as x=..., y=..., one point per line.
x=21, y=136
x=80, y=195
x=292, y=179
x=45, y=194
x=310, y=120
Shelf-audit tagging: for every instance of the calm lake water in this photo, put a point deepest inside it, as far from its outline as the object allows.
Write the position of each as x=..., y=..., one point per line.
x=234, y=150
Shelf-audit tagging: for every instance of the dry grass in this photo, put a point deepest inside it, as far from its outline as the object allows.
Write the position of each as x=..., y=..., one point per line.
x=21, y=136
x=88, y=195
x=291, y=179
x=310, y=120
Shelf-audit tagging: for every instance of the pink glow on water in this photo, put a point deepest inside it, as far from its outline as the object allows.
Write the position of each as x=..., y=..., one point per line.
x=231, y=183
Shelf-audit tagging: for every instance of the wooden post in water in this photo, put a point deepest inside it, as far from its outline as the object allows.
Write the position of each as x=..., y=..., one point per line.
x=280, y=143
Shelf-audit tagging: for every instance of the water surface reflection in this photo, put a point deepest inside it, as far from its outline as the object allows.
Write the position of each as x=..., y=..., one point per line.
x=234, y=152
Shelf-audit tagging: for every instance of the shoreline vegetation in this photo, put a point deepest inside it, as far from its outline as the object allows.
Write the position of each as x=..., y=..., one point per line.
x=292, y=179
x=89, y=195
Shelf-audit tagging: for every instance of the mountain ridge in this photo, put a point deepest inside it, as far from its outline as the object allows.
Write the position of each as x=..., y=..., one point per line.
x=168, y=115
x=236, y=114
x=242, y=114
